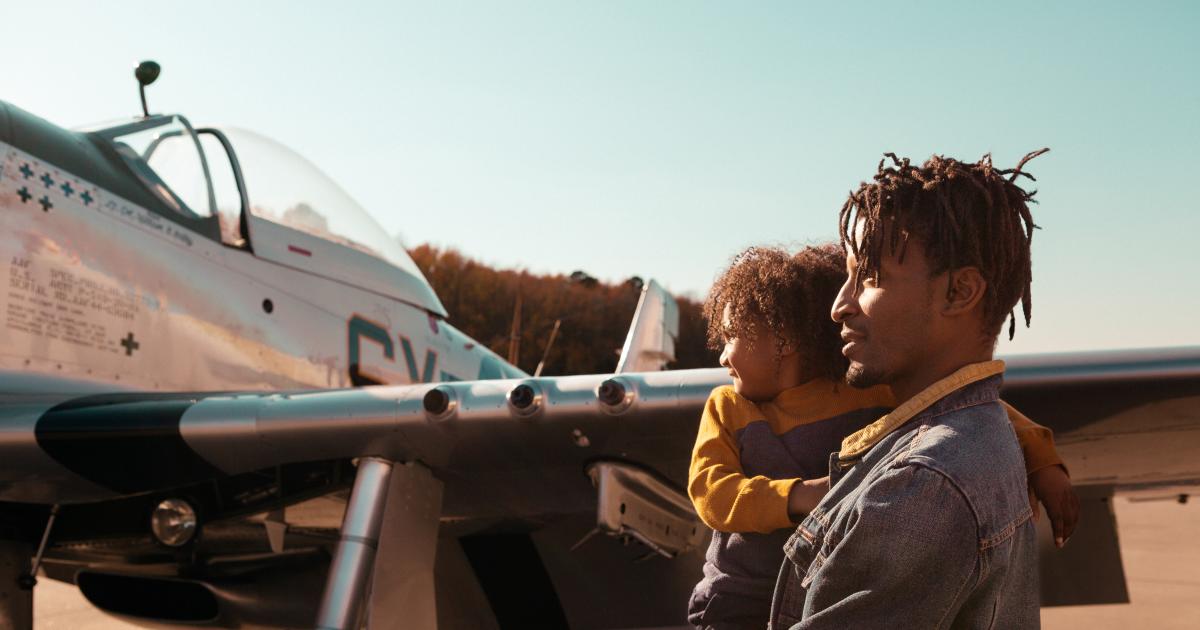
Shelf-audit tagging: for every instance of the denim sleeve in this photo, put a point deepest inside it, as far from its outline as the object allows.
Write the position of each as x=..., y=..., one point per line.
x=904, y=558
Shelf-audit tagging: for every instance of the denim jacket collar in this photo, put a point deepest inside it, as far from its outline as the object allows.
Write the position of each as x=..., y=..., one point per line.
x=857, y=444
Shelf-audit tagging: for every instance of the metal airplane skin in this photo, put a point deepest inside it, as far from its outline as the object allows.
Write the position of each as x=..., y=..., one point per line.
x=154, y=268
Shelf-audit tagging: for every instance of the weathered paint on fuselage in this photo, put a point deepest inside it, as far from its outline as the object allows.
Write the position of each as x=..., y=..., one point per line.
x=101, y=291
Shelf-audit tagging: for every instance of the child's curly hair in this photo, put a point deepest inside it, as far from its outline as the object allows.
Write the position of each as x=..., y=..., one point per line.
x=791, y=295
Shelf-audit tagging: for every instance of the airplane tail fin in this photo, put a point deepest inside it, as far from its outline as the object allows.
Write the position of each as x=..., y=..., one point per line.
x=650, y=344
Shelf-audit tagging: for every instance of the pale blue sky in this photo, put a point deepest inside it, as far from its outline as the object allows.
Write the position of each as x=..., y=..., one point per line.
x=660, y=138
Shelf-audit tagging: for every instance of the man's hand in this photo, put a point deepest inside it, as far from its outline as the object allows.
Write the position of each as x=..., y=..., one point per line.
x=1052, y=487
x=805, y=495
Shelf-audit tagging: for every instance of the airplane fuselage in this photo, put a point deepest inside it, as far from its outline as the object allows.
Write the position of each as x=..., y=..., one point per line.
x=102, y=292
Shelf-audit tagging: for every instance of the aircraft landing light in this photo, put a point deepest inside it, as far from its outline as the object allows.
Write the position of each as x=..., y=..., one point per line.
x=173, y=522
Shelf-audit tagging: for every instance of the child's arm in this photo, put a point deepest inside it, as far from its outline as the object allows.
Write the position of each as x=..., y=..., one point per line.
x=1047, y=474
x=725, y=498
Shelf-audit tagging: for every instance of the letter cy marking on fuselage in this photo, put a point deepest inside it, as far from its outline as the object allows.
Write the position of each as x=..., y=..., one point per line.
x=359, y=327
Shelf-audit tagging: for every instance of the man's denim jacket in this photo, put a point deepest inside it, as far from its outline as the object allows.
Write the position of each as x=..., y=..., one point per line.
x=931, y=528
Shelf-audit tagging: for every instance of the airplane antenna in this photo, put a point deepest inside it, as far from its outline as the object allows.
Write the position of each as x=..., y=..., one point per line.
x=546, y=352
x=514, y=335
x=146, y=73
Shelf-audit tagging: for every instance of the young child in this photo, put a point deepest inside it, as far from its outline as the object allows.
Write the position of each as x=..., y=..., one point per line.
x=762, y=452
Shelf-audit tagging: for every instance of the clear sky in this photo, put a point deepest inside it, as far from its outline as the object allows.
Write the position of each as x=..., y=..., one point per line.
x=660, y=138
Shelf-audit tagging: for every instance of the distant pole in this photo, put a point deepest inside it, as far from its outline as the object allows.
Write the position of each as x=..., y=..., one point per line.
x=514, y=335
x=546, y=352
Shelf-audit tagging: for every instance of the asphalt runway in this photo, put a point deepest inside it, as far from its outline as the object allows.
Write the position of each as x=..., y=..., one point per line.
x=1160, y=542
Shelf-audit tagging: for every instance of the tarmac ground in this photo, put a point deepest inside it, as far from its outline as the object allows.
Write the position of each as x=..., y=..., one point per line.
x=1160, y=544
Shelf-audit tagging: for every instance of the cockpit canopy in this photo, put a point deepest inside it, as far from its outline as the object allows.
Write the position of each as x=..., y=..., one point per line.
x=224, y=172
x=285, y=188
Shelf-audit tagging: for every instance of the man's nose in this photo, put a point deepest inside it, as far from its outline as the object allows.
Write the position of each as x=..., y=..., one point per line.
x=725, y=357
x=846, y=304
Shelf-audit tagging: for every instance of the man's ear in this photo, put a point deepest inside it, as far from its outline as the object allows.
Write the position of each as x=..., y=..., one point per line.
x=964, y=292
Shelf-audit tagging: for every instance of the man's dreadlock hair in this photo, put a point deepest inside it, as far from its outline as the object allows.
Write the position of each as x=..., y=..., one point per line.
x=790, y=295
x=961, y=214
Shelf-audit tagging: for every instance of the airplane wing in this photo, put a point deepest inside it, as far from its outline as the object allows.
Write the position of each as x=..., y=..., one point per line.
x=515, y=451
x=522, y=443
x=529, y=451
x=1125, y=423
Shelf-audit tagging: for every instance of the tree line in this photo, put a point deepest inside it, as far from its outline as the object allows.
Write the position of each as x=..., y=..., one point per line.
x=484, y=303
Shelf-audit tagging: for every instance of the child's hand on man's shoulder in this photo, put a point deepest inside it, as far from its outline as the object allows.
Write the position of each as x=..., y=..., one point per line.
x=805, y=495
x=1052, y=486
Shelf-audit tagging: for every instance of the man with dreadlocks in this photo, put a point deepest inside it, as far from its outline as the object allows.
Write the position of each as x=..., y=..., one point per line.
x=763, y=444
x=927, y=523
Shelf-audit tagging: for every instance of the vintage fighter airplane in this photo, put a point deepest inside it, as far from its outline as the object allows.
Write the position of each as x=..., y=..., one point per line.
x=208, y=352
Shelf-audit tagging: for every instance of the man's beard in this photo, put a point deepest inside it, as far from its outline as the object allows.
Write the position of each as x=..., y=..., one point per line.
x=862, y=377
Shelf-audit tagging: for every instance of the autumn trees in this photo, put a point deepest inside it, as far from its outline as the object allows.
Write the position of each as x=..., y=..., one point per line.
x=595, y=315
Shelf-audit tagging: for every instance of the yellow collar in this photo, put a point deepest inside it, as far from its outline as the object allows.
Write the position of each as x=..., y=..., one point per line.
x=858, y=443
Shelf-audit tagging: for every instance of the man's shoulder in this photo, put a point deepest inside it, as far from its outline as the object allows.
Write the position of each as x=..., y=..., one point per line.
x=975, y=449
x=954, y=434
x=964, y=443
